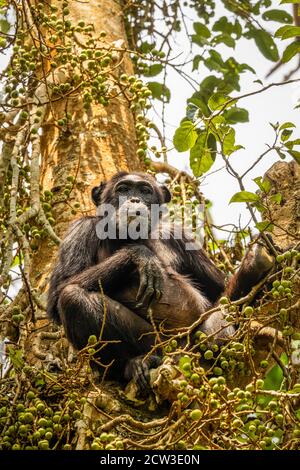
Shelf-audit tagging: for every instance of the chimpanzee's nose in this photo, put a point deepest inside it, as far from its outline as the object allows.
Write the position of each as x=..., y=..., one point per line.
x=135, y=200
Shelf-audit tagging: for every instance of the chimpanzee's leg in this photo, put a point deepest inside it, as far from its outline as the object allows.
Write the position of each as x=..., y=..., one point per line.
x=82, y=313
x=255, y=265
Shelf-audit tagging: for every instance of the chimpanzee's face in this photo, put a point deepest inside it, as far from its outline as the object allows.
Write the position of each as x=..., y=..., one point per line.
x=136, y=200
x=135, y=192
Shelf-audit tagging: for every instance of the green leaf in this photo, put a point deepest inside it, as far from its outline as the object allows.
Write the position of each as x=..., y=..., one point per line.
x=276, y=198
x=225, y=26
x=215, y=61
x=228, y=143
x=274, y=378
x=286, y=125
x=243, y=67
x=265, y=225
x=146, y=47
x=280, y=16
x=199, y=40
x=218, y=122
x=264, y=185
x=291, y=143
x=244, y=196
x=237, y=29
x=201, y=30
x=153, y=70
x=209, y=84
x=203, y=154
x=185, y=136
x=217, y=101
x=289, y=1
x=16, y=262
x=201, y=105
x=280, y=153
x=266, y=45
x=295, y=155
x=291, y=51
x=159, y=91
x=16, y=357
x=225, y=39
x=212, y=64
x=260, y=207
x=221, y=24
x=287, y=32
x=196, y=61
x=216, y=56
x=285, y=134
x=236, y=114
x=4, y=26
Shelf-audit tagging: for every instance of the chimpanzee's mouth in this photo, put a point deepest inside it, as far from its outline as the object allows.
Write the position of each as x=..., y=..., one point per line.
x=131, y=216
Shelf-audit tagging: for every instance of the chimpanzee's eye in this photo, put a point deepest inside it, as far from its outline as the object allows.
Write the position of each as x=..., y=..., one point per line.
x=123, y=188
x=146, y=190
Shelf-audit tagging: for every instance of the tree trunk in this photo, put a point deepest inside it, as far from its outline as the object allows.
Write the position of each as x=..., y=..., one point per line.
x=78, y=147
x=285, y=179
x=96, y=143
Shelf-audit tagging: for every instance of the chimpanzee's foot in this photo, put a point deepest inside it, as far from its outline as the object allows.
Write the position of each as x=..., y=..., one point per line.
x=260, y=260
x=257, y=262
x=138, y=369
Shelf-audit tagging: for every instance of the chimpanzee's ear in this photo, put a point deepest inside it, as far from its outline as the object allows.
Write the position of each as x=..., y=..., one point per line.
x=96, y=193
x=166, y=193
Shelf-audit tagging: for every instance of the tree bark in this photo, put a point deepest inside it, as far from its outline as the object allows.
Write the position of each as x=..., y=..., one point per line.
x=285, y=179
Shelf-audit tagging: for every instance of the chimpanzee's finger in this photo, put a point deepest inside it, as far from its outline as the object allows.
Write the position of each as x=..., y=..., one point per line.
x=148, y=291
x=143, y=285
x=140, y=377
x=146, y=299
x=158, y=287
x=155, y=362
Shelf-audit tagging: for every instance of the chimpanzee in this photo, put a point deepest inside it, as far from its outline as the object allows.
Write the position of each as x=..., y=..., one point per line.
x=134, y=288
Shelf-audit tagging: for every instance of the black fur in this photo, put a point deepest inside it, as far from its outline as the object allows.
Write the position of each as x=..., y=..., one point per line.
x=179, y=285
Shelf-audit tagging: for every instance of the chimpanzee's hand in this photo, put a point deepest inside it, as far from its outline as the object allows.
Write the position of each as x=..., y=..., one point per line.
x=138, y=369
x=151, y=281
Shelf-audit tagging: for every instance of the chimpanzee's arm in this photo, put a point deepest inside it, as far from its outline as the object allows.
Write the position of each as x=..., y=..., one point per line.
x=205, y=274
x=77, y=252
x=77, y=265
x=114, y=270
x=255, y=265
x=196, y=264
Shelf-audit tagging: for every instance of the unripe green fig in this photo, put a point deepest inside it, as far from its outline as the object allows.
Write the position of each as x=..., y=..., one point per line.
x=196, y=415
